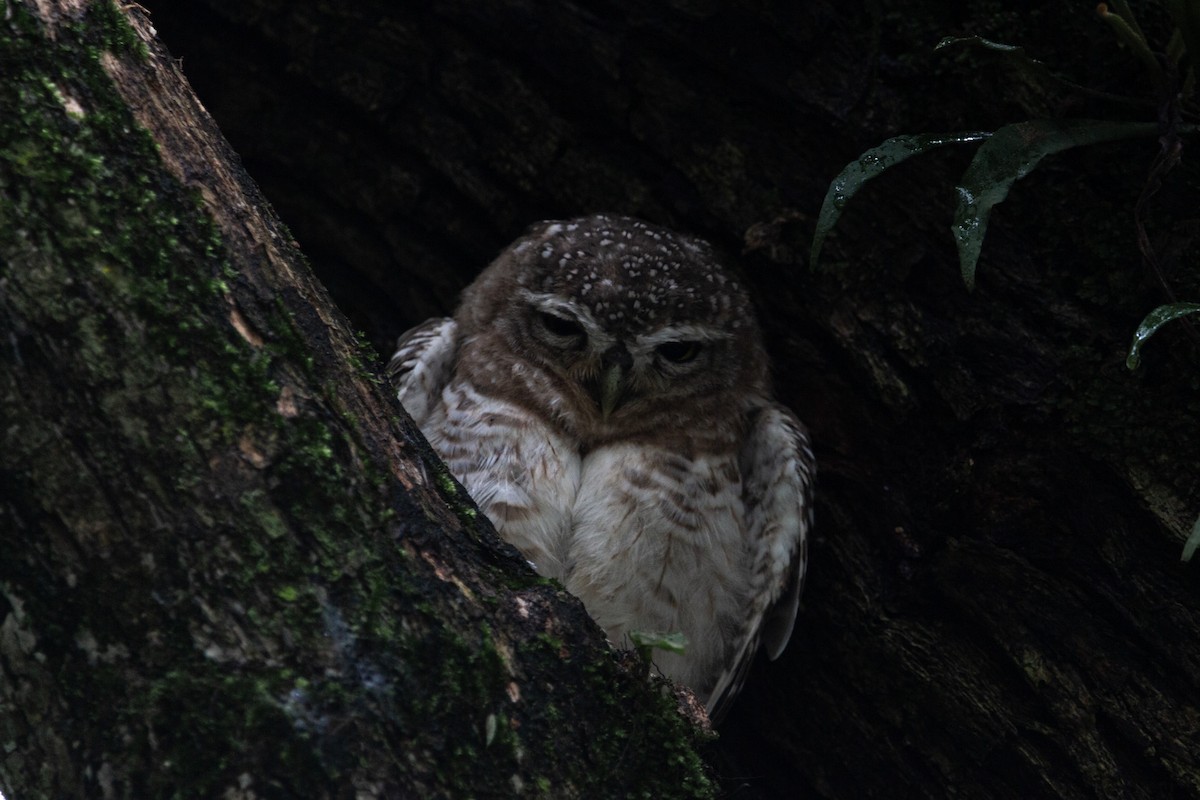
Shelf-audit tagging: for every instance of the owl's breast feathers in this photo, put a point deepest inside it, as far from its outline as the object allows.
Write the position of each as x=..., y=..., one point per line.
x=709, y=545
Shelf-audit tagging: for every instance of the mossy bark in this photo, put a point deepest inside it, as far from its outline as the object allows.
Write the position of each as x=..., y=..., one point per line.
x=228, y=566
x=995, y=606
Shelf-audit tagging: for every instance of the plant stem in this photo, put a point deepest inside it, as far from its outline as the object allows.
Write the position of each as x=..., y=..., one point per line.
x=1186, y=16
x=1126, y=13
x=1137, y=43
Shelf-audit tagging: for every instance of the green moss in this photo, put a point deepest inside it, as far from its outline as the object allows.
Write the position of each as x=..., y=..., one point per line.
x=446, y=482
x=258, y=506
x=117, y=34
x=651, y=725
x=254, y=735
x=458, y=501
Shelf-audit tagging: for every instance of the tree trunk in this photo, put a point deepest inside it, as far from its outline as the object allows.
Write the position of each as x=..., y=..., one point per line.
x=995, y=605
x=228, y=565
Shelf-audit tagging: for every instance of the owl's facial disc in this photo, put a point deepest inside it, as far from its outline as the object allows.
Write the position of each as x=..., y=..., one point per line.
x=618, y=367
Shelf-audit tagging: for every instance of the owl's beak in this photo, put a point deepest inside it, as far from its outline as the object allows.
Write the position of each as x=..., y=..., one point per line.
x=615, y=363
x=611, y=386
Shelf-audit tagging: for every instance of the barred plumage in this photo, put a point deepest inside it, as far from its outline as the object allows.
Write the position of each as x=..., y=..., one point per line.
x=602, y=392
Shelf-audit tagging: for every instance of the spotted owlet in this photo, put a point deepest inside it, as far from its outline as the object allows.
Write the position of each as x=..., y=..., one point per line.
x=602, y=392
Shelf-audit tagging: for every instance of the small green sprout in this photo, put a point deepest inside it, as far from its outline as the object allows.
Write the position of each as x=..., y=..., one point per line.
x=646, y=643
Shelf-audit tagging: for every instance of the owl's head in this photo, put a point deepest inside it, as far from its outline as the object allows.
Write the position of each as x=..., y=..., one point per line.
x=627, y=319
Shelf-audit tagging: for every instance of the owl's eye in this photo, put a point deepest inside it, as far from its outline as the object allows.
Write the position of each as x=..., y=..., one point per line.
x=561, y=326
x=678, y=352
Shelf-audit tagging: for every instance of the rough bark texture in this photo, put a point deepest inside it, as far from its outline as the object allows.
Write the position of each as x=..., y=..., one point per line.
x=228, y=566
x=995, y=606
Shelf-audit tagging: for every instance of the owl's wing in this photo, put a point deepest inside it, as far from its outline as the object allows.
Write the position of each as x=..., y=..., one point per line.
x=778, y=468
x=422, y=365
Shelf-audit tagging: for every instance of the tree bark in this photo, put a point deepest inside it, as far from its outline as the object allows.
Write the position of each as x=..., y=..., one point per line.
x=995, y=606
x=229, y=567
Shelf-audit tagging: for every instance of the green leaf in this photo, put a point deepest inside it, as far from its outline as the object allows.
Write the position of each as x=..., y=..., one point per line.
x=1150, y=325
x=671, y=642
x=1129, y=33
x=1193, y=541
x=1186, y=17
x=1012, y=153
x=870, y=164
x=979, y=41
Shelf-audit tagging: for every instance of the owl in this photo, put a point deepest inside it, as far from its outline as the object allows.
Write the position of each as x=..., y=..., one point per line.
x=603, y=394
